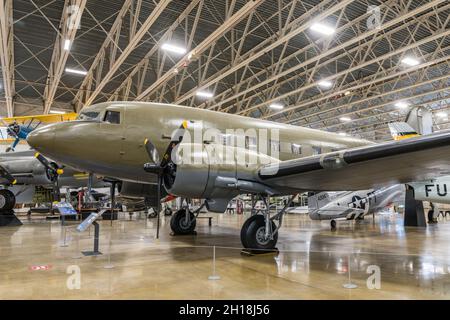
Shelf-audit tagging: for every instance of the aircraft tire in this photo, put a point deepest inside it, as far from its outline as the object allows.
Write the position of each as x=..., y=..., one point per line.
x=167, y=212
x=252, y=234
x=244, y=230
x=7, y=200
x=178, y=225
x=152, y=213
x=333, y=224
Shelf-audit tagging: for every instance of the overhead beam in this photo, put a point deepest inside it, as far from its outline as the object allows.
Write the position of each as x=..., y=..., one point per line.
x=326, y=53
x=264, y=50
x=7, y=53
x=142, y=65
x=69, y=24
x=128, y=49
x=313, y=83
x=109, y=40
x=205, y=44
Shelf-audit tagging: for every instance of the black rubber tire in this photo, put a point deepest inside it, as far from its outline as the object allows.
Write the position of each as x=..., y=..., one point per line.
x=333, y=224
x=167, y=211
x=244, y=230
x=7, y=200
x=152, y=213
x=430, y=216
x=177, y=223
x=249, y=232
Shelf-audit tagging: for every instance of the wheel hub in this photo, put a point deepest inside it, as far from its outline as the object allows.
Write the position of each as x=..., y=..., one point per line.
x=261, y=236
x=184, y=224
x=2, y=201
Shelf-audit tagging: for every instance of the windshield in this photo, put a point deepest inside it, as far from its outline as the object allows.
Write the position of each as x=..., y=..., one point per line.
x=88, y=115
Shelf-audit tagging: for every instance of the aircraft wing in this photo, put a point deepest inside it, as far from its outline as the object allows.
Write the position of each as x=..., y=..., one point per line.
x=414, y=159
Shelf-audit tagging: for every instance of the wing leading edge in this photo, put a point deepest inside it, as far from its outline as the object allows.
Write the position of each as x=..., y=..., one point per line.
x=403, y=161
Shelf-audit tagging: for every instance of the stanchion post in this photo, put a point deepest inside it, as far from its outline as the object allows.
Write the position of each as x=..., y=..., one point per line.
x=349, y=284
x=214, y=276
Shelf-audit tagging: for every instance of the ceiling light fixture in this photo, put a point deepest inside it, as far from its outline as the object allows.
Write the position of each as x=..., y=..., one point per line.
x=346, y=119
x=173, y=48
x=204, y=94
x=81, y=72
x=57, y=112
x=325, y=83
x=322, y=28
x=276, y=106
x=410, y=61
x=401, y=105
x=67, y=44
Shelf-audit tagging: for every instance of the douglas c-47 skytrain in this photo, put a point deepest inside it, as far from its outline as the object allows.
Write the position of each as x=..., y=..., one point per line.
x=157, y=147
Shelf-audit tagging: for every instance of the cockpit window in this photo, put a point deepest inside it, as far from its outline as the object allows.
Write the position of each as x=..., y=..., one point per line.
x=88, y=115
x=112, y=117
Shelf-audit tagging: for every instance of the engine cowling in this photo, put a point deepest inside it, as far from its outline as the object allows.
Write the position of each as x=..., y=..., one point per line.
x=216, y=173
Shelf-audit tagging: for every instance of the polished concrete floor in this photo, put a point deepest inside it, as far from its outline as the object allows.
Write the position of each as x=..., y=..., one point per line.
x=41, y=260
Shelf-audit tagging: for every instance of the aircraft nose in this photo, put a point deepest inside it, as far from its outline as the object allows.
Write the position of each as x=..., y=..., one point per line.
x=42, y=139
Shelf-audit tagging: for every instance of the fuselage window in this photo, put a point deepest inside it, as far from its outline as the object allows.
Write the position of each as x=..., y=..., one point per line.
x=296, y=148
x=316, y=150
x=112, y=117
x=250, y=142
x=88, y=115
x=275, y=145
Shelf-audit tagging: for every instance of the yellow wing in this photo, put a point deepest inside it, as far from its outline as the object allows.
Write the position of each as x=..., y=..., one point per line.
x=44, y=118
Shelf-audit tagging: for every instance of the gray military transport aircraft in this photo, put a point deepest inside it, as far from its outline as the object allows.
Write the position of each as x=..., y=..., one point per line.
x=28, y=169
x=124, y=140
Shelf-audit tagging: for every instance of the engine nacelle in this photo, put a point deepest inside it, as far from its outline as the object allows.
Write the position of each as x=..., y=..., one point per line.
x=216, y=173
x=31, y=172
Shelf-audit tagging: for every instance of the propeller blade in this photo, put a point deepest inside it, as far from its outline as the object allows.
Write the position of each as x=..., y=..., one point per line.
x=11, y=131
x=53, y=169
x=176, y=139
x=5, y=174
x=151, y=151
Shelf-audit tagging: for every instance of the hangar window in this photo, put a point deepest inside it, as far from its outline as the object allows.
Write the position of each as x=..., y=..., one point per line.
x=112, y=117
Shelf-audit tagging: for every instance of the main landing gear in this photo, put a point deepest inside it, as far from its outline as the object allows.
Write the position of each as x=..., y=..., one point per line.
x=7, y=200
x=259, y=233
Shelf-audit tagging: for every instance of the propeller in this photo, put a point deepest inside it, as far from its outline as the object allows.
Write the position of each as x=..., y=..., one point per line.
x=53, y=172
x=6, y=175
x=166, y=168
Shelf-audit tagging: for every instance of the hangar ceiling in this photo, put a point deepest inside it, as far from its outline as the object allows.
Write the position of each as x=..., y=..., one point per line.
x=261, y=58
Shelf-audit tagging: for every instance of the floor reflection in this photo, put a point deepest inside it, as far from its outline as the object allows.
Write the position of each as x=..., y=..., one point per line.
x=313, y=262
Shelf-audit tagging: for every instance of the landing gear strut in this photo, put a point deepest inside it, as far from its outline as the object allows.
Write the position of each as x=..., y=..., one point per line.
x=184, y=220
x=260, y=232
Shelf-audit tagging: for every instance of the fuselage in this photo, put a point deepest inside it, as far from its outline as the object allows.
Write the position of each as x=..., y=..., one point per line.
x=108, y=139
x=353, y=204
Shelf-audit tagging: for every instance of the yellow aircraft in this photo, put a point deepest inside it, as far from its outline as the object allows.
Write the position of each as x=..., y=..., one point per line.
x=19, y=127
